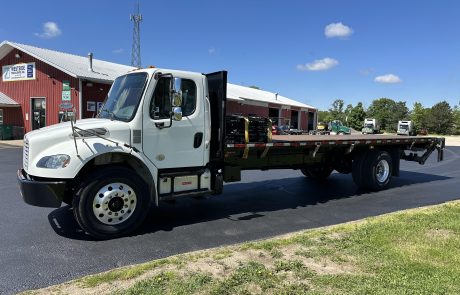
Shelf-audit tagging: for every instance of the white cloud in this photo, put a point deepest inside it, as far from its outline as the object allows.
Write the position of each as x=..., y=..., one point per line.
x=319, y=65
x=50, y=30
x=118, y=51
x=337, y=30
x=388, y=79
x=211, y=50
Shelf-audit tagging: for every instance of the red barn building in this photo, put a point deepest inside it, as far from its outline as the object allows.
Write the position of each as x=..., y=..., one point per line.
x=282, y=110
x=37, y=82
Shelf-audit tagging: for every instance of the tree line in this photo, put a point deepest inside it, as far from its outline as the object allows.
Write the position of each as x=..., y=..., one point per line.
x=441, y=118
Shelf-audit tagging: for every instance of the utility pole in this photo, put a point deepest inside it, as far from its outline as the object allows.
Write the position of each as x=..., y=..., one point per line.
x=136, y=47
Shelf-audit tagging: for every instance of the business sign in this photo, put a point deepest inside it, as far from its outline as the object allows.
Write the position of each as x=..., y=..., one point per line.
x=66, y=95
x=99, y=106
x=66, y=106
x=18, y=72
x=91, y=106
x=65, y=85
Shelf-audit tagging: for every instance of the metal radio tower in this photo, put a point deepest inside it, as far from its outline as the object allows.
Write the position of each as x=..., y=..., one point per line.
x=136, y=49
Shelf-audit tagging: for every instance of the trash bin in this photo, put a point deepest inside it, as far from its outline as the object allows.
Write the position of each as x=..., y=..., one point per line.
x=18, y=132
x=6, y=131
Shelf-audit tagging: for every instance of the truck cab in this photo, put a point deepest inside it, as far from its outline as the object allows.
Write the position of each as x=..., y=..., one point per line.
x=158, y=135
x=370, y=126
x=406, y=128
x=336, y=127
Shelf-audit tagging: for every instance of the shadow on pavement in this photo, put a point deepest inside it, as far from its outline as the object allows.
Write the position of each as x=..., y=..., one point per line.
x=242, y=202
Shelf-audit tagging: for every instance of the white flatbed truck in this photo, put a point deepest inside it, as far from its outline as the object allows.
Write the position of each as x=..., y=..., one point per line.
x=161, y=135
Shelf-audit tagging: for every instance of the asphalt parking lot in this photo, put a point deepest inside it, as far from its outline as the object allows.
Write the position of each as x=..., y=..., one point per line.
x=44, y=246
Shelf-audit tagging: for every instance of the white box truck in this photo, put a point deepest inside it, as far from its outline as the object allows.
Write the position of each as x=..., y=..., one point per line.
x=371, y=126
x=406, y=128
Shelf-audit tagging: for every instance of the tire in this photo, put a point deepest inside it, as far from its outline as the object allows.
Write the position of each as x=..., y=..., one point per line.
x=111, y=202
x=375, y=172
x=357, y=169
x=317, y=173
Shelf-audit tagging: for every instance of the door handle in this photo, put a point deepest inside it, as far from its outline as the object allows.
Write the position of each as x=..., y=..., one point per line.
x=197, y=139
x=160, y=125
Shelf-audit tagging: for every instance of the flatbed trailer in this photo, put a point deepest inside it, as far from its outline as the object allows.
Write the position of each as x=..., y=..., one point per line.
x=152, y=142
x=317, y=156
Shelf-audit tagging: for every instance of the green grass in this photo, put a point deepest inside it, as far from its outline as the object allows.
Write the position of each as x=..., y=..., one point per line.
x=169, y=283
x=411, y=252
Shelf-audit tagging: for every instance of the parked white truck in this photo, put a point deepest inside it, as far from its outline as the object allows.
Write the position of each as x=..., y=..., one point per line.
x=406, y=128
x=161, y=135
x=371, y=126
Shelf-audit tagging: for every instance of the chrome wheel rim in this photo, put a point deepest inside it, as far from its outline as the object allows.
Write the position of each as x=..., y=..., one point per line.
x=114, y=203
x=383, y=171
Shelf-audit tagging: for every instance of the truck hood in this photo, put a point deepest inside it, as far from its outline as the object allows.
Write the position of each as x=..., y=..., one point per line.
x=58, y=139
x=63, y=131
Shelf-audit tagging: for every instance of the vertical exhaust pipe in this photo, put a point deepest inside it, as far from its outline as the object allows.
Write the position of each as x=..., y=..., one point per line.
x=90, y=60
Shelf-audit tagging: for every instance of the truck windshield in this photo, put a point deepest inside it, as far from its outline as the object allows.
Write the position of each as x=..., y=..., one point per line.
x=369, y=125
x=124, y=96
x=403, y=127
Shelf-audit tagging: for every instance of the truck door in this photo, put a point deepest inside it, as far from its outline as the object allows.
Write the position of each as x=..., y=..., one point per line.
x=217, y=90
x=181, y=143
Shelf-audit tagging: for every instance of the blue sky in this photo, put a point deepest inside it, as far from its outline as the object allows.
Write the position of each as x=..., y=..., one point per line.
x=280, y=46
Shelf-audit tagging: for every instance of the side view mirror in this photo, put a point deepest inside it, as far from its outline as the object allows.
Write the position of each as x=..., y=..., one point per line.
x=176, y=98
x=177, y=113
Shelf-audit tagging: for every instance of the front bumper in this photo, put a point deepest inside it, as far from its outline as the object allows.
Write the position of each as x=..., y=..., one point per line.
x=41, y=193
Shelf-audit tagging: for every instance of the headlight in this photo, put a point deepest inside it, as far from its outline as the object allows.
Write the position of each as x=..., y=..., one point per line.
x=54, y=161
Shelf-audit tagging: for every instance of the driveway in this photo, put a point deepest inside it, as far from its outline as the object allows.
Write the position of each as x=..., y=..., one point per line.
x=42, y=246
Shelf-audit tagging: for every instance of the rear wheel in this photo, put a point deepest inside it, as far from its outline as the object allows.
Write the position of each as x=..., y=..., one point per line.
x=373, y=170
x=111, y=202
x=318, y=173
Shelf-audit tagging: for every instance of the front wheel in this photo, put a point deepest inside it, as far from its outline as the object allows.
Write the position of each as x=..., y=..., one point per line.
x=111, y=202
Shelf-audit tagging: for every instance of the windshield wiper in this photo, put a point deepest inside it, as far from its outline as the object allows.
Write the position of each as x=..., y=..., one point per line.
x=111, y=114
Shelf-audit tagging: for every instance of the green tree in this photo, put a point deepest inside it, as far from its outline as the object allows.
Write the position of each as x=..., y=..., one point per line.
x=419, y=115
x=324, y=116
x=356, y=117
x=456, y=118
x=336, y=111
x=441, y=118
x=401, y=112
x=388, y=112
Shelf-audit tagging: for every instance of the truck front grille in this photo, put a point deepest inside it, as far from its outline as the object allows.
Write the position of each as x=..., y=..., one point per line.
x=25, y=155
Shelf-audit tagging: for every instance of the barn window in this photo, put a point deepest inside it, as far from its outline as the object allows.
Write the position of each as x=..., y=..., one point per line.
x=1, y=116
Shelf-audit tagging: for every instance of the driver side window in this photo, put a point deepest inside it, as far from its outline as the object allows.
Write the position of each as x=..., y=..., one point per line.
x=161, y=99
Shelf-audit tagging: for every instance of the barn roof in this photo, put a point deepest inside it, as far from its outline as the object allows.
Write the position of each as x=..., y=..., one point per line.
x=6, y=101
x=241, y=93
x=74, y=65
